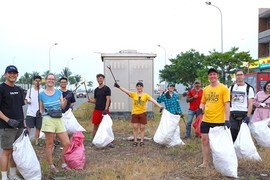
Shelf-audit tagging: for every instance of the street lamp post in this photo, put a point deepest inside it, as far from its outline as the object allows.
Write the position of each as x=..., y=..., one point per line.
x=165, y=61
x=221, y=23
x=50, y=56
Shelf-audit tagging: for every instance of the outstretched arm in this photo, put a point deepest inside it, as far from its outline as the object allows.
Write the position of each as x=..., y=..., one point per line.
x=125, y=90
x=155, y=102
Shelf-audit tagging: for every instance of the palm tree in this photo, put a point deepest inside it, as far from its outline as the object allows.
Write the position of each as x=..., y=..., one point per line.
x=45, y=73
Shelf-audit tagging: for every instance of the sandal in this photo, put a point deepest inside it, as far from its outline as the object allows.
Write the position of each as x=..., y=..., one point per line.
x=135, y=144
x=141, y=143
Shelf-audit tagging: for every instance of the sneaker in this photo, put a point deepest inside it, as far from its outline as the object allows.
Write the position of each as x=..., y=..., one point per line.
x=65, y=167
x=14, y=177
x=203, y=166
x=54, y=169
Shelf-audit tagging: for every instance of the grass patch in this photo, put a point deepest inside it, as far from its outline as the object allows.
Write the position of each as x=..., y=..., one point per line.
x=152, y=161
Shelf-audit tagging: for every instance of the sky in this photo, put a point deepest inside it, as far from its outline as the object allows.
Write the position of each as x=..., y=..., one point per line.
x=83, y=29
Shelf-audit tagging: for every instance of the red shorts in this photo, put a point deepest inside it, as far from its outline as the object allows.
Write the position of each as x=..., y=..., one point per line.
x=139, y=118
x=97, y=116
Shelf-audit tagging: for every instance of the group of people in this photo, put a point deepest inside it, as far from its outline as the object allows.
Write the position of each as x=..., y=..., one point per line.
x=220, y=106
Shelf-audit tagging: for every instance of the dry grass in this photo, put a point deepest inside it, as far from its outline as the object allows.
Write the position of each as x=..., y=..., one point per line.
x=149, y=162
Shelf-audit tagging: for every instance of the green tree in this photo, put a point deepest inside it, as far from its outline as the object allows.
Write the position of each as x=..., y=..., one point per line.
x=183, y=68
x=227, y=63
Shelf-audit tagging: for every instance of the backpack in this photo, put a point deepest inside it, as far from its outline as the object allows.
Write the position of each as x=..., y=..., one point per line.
x=247, y=91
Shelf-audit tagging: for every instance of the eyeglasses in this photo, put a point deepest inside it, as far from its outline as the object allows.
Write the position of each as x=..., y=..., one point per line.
x=50, y=79
x=63, y=82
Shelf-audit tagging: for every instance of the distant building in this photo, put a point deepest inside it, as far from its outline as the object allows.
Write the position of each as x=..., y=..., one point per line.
x=263, y=41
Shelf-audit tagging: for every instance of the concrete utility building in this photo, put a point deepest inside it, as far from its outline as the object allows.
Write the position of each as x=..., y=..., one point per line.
x=128, y=67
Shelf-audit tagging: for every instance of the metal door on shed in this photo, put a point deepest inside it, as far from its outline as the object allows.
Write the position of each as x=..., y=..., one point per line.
x=119, y=100
x=142, y=70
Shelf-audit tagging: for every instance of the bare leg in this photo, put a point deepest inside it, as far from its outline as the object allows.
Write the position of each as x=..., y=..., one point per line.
x=95, y=130
x=5, y=159
x=135, y=131
x=49, y=145
x=205, y=150
x=142, y=129
x=63, y=137
x=37, y=136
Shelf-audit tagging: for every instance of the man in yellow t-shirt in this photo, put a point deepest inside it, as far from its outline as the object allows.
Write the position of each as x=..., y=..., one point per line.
x=138, y=114
x=215, y=104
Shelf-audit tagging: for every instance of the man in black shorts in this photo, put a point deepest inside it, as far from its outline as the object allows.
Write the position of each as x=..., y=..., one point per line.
x=216, y=99
x=11, y=120
x=33, y=116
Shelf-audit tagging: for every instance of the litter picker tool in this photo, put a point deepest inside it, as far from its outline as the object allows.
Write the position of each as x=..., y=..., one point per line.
x=85, y=90
x=109, y=67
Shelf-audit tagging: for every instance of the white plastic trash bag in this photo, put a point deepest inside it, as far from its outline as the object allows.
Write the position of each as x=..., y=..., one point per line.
x=224, y=156
x=244, y=145
x=104, y=135
x=25, y=158
x=261, y=132
x=71, y=123
x=168, y=131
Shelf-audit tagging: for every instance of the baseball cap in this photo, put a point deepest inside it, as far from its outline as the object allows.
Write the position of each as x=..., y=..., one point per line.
x=139, y=84
x=212, y=70
x=197, y=82
x=171, y=84
x=11, y=68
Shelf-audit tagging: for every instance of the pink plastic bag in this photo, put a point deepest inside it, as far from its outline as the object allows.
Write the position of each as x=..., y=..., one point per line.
x=75, y=156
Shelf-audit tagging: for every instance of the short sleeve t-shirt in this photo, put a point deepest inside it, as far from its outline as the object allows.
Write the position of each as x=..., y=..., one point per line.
x=100, y=95
x=51, y=102
x=214, y=99
x=239, y=99
x=11, y=102
x=139, y=102
x=32, y=96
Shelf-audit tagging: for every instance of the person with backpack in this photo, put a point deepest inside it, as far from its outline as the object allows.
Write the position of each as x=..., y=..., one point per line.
x=242, y=95
x=194, y=97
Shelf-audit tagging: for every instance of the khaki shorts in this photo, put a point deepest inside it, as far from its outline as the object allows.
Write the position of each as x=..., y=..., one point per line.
x=9, y=136
x=139, y=118
x=53, y=125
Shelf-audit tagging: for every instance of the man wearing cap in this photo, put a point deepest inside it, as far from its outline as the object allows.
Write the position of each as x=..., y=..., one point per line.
x=170, y=99
x=194, y=97
x=11, y=120
x=33, y=116
x=215, y=104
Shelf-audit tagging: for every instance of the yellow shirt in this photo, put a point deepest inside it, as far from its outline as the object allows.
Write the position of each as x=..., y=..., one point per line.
x=139, y=102
x=214, y=99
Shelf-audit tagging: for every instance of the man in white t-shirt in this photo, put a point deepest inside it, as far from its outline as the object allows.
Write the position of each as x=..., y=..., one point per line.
x=242, y=96
x=33, y=116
